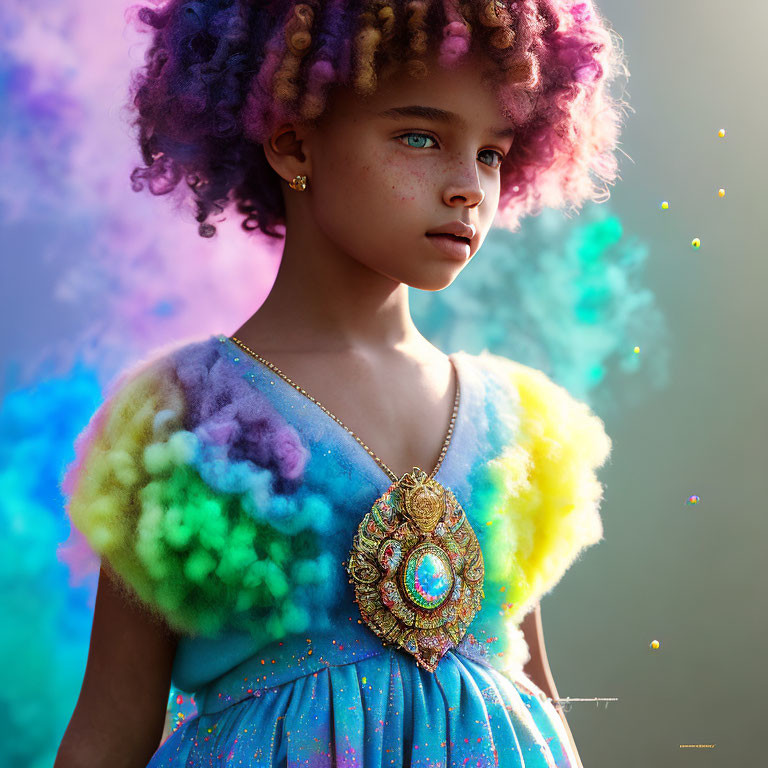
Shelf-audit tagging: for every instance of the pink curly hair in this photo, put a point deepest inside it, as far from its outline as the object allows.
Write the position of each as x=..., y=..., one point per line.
x=220, y=75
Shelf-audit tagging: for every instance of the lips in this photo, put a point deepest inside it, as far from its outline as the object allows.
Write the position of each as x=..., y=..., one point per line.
x=452, y=246
x=457, y=238
x=455, y=228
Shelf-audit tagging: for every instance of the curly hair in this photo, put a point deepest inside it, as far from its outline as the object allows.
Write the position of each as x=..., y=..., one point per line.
x=220, y=75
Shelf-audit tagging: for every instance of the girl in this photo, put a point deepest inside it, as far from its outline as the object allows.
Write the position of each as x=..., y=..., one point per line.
x=331, y=532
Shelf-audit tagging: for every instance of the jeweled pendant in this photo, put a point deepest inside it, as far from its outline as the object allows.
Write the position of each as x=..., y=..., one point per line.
x=417, y=568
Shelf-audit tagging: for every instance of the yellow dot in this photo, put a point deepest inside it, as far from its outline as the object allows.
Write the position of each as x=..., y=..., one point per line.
x=721, y=133
x=721, y=192
x=637, y=350
x=664, y=205
x=364, y=680
x=654, y=644
x=696, y=243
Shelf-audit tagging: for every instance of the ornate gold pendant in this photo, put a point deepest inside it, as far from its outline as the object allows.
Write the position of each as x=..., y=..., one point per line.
x=417, y=568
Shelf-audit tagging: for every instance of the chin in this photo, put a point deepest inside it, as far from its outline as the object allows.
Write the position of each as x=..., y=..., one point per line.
x=435, y=282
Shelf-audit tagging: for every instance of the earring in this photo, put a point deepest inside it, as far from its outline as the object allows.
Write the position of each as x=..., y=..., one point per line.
x=298, y=183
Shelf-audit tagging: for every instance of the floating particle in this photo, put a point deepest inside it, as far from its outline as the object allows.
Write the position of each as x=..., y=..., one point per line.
x=721, y=192
x=696, y=243
x=693, y=499
x=654, y=644
x=664, y=205
x=721, y=133
x=637, y=350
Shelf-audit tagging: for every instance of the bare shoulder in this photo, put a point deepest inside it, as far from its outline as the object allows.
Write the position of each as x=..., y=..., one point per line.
x=123, y=699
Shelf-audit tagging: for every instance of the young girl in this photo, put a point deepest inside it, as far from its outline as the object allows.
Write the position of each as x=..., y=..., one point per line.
x=331, y=532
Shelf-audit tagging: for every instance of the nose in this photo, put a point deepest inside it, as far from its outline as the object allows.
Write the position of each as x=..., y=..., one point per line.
x=464, y=189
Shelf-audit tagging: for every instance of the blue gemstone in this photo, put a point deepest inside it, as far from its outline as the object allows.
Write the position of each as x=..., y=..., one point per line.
x=428, y=576
x=432, y=581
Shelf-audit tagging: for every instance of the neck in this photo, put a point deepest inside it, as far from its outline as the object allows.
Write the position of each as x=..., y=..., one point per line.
x=324, y=300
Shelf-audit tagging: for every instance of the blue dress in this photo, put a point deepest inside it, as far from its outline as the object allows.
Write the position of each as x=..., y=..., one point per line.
x=228, y=501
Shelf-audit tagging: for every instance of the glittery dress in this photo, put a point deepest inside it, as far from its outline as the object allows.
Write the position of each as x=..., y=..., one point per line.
x=227, y=500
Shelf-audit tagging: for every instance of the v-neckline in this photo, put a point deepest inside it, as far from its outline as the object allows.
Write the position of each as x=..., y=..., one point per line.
x=460, y=380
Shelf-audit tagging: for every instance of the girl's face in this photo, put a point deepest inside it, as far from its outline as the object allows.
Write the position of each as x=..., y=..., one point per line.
x=384, y=171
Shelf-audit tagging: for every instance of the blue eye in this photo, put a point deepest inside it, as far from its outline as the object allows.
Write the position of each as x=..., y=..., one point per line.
x=419, y=136
x=498, y=154
x=422, y=136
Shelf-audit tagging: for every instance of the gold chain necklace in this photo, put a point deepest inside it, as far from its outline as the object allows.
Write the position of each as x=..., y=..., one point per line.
x=415, y=562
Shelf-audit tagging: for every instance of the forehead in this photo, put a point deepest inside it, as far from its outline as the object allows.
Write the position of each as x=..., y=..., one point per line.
x=466, y=92
x=474, y=71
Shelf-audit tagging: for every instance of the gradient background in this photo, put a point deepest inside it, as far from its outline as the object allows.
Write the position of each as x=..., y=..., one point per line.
x=692, y=577
x=94, y=275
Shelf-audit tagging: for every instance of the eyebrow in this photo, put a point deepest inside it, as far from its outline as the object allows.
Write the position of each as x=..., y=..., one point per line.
x=438, y=115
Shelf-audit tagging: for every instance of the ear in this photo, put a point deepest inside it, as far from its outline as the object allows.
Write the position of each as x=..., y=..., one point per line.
x=286, y=151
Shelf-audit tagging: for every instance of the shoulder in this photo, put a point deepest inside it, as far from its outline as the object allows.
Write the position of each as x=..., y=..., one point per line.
x=184, y=482
x=155, y=374
x=143, y=403
x=199, y=387
x=544, y=409
x=547, y=494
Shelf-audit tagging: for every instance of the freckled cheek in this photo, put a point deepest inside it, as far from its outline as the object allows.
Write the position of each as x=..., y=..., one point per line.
x=404, y=182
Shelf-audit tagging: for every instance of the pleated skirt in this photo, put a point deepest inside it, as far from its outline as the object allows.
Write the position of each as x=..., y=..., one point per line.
x=383, y=710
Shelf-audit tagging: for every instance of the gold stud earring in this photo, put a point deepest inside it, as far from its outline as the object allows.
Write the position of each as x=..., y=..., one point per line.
x=298, y=183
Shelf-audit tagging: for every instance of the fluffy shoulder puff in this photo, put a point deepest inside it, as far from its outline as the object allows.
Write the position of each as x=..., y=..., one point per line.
x=546, y=493
x=187, y=483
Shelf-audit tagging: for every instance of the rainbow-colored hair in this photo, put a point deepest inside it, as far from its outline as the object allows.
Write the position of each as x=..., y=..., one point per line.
x=220, y=75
